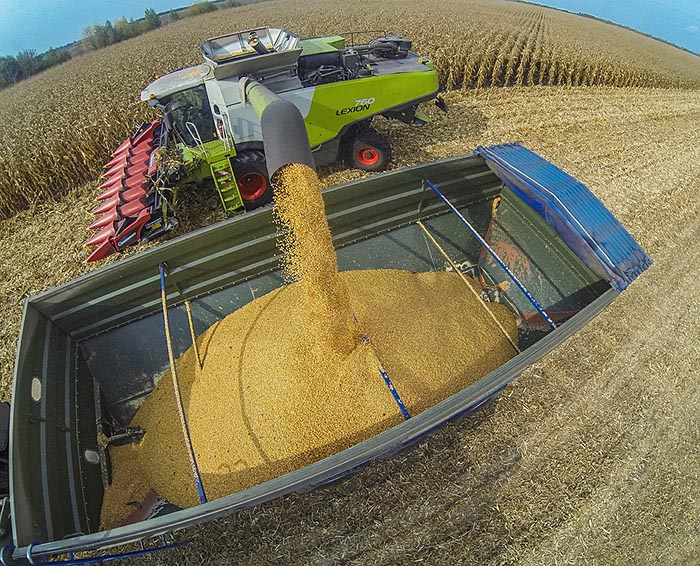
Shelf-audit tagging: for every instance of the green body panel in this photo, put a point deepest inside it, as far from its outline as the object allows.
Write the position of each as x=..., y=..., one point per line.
x=337, y=105
x=325, y=44
x=215, y=152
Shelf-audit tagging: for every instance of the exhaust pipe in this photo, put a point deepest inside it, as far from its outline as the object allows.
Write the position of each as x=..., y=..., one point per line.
x=283, y=129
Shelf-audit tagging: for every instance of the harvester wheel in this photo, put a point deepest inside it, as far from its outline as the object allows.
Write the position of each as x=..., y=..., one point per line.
x=250, y=171
x=370, y=151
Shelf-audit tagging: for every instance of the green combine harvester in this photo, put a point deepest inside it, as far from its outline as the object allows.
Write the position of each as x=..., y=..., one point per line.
x=211, y=123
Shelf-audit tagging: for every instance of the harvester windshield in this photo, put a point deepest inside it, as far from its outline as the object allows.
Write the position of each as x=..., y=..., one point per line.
x=191, y=115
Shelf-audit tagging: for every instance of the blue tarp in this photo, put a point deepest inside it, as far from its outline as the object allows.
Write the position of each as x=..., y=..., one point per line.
x=580, y=219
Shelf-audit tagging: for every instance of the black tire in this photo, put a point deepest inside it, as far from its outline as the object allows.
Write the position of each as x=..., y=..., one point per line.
x=369, y=151
x=250, y=170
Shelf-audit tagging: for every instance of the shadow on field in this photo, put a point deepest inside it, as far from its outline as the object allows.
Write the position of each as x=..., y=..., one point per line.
x=418, y=144
x=412, y=145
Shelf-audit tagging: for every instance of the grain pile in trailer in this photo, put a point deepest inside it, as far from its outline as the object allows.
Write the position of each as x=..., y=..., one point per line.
x=299, y=374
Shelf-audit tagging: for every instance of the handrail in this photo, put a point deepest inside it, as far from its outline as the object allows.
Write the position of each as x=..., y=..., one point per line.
x=194, y=132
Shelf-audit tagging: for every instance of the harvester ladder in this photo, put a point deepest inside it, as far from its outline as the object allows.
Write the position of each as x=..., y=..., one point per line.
x=226, y=185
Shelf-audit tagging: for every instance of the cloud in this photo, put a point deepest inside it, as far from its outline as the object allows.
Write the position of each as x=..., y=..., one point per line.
x=693, y=29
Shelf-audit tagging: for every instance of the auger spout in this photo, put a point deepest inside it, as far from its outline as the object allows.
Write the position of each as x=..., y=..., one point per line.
x=283, y=130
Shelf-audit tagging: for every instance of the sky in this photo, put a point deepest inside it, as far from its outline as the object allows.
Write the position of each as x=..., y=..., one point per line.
x=41, y=24
x=676, y=21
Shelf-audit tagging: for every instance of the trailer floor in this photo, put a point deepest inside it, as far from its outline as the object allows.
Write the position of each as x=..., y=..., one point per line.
x=590, y=457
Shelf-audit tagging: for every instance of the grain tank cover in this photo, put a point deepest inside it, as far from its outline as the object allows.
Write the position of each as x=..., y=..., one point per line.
x=583, y=222
x=251, y=51
x=226, y=48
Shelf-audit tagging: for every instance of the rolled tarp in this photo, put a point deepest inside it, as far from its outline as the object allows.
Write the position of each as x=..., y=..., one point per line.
x=581, y=220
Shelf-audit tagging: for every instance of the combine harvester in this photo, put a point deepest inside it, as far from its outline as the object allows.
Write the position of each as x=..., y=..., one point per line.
x=91, y=350
x=210, y=129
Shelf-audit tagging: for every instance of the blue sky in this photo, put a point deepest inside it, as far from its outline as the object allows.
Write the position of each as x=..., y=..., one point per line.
x=677, y=21
x=40, y=24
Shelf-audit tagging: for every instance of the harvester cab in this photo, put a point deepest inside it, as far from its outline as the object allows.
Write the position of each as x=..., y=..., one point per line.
x=210, y=126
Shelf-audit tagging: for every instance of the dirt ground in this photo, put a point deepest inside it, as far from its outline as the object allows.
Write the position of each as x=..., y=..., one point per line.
x=591, y=457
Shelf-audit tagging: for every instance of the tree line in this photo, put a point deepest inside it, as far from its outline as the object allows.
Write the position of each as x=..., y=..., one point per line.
x=98, y=36
x=14, y=68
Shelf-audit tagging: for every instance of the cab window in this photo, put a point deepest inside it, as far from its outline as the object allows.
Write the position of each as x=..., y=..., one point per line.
x=192, y=106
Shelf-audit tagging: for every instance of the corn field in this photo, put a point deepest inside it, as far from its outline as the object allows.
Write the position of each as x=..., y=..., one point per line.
x=59, y=127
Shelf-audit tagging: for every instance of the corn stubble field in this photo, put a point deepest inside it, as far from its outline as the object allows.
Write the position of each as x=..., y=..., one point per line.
x=592, y=455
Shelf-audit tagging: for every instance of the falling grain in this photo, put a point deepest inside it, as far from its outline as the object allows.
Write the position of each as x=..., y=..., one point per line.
x=309, y=257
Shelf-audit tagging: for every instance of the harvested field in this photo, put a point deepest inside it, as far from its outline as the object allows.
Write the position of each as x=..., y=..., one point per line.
x=59, y=127
x=590, y=456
